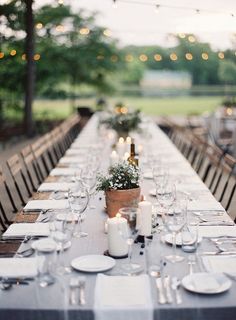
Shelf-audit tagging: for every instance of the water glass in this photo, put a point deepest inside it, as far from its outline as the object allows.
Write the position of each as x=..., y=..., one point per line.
x=190, y=237
x=154, y=260
x=46, y=261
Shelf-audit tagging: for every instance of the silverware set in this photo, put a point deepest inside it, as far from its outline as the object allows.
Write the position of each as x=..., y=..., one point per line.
x=168, y=287
x=77, y=291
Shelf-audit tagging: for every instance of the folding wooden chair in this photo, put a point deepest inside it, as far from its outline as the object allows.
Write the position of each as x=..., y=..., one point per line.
x=30, y=164
x=6, y=193
x=19, y=178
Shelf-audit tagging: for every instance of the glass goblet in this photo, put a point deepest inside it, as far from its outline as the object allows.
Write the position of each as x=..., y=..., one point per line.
x=174, y=223
x=130, y=234
x=78, y=200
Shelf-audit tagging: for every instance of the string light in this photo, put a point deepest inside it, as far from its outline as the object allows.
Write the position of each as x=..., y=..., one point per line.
x=157, y=57
x=100, y=57
x=173, y=56
x=129, y=58
x=1, y=55
x=13, y=53
x=84, y=31
x=107, y=33
x=39, y=26
x=205, y=56
x=143, y=57
x=37, y=57
x=158, y=6
x=189, y=56
x=221, y=55
x=114, y=4
x=23, y=57
x=61, y=2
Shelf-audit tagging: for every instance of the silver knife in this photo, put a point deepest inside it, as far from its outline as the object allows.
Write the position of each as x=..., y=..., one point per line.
x=161, y=294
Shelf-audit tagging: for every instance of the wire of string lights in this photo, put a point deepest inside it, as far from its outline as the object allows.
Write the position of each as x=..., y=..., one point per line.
x=158, y=6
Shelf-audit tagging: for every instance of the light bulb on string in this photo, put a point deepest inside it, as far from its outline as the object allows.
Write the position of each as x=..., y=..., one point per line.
x=197, y=11
x=157, y=8
x=114, y=4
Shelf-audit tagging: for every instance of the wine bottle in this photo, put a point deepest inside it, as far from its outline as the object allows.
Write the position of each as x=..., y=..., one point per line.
x=133, y=159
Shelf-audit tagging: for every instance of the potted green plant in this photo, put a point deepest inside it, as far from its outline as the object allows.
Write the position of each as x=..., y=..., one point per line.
x=121, y=187
x=123, y=122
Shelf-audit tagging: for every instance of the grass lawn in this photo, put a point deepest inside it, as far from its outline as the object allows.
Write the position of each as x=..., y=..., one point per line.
x=152, y=106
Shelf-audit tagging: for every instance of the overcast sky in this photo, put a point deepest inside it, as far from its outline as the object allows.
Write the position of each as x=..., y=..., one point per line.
x=141, y=25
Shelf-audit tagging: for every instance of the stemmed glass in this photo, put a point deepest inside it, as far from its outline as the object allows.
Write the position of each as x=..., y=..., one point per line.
x=130, y=234
x=175, y=220
x=78, y=198
x=89, y=179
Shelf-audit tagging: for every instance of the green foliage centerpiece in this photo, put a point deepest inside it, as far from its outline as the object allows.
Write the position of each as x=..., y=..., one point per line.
x=123, y=121
x=121, y=187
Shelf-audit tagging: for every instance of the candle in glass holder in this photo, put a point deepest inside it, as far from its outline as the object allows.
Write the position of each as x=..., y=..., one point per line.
x=117, y=245
x=145, y=218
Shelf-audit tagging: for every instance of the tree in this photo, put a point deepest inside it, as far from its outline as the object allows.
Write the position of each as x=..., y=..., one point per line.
x=227, y=72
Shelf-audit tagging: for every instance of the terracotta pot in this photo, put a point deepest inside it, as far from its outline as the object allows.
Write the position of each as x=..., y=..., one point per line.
x=116, y=199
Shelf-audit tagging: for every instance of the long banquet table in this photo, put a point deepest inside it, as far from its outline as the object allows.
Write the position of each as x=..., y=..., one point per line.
x=34, y=302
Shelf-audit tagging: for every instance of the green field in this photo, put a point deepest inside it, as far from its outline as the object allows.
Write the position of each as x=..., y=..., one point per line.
x=152, y=106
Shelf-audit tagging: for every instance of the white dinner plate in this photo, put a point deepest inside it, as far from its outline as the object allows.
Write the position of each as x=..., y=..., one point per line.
x=168, y=239
x=206, y=283
x=93, y=263
x=47, y=242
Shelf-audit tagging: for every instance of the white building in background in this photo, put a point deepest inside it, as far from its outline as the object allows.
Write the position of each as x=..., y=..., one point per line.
x=165, y=82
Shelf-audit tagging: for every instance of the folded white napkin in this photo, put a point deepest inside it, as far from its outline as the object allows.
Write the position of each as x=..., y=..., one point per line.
x=55, y=186
x=37, y=205
x=216, y=231
x=18, y=267
x=222, y=264
x=197, y=205
x=123, y=297
x=65, y=171
x=19, y=230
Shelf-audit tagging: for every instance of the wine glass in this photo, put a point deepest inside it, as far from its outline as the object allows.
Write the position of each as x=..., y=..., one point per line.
x=174, y=223
x=130, y=234
x=89, y=179
x=78, y=198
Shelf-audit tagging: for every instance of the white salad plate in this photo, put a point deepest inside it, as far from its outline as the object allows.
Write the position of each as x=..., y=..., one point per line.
x=93, y=263
x=206, y=283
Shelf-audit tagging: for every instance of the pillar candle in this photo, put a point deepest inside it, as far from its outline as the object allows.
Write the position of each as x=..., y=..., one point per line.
x=114, y=158
x=120, y=147
x=117, y=245
x=145, y=218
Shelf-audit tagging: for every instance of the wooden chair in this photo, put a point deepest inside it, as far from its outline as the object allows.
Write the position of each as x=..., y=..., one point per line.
x=7, y=195
x=19, y=178
x=39, y=149
x=30, y=164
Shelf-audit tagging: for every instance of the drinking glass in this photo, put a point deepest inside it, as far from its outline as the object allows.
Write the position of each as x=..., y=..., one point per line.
x=174, y=222
x=78, y=198
x=166, y=195
x=45, y=255
x=130, y=234
x=89, y=179
x=61, y=235
x=189, y=236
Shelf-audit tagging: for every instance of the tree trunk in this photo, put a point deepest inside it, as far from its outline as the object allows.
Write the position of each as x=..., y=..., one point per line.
x=30, y=68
